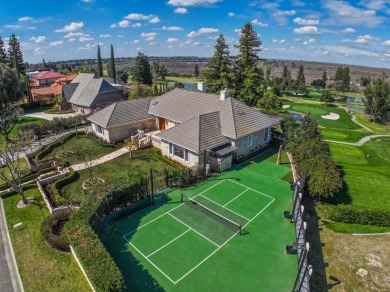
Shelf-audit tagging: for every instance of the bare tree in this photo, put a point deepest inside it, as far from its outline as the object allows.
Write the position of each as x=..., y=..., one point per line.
x=9, y=116
x=87, y=163
x=131, y=144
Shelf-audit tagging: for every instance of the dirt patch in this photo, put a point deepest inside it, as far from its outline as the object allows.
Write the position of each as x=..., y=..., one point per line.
x=331, y=116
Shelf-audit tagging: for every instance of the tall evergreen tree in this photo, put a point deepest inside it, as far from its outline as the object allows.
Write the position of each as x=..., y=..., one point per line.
x=99, y=63
x=14, y=45
x=300, y=83
x=44, y=64
x=377, y=100
x=112, y=65
x=141, y=71
x=15, y=62
x=324, y=76
x=217, y=75
x=248, y=47
x=196, y=71
x=3, y=53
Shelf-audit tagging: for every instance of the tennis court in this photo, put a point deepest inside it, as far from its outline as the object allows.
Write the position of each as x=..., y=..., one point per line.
x=227, y=233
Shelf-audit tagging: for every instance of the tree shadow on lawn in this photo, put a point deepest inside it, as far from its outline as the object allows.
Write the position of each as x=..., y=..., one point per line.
x=343, y=196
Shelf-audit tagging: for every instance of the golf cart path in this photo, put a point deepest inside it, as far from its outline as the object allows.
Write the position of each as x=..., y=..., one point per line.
x=359, y=143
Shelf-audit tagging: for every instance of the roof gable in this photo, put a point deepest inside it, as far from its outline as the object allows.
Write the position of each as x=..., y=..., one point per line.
x=48, y=75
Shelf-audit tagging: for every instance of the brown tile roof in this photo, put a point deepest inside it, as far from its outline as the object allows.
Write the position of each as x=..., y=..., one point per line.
x=197, y=134
x=47, y=90
x=48, y=75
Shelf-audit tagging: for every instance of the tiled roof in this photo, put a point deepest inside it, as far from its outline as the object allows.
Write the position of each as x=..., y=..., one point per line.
x=66, y=79
x=48, y=75
x=122, y=113
x=197, y=134
x=68, y=90
x=237, y=119
x=46, y=90
x=89, y=88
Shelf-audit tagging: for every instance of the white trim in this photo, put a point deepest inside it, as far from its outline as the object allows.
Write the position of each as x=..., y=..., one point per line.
x=236, y=197
x=252, y=189
x=160, y=248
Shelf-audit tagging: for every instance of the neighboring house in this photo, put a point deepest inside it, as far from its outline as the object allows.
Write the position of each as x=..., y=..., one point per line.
x=45, y=78
x=122, y=119
x=183, y=116
x=45, y=93
x=90, y=93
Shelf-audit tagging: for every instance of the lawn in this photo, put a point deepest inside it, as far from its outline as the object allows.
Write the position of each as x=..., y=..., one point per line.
x=22, y=121
x=82, y=145
x=351, y=136
x=23, y=166
x=366, y=173
x=41, y=268
x=119, y=168
x=183, y=250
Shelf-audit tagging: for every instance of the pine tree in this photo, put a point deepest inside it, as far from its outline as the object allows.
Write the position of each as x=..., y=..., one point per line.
x=196, y=71
x=285, y=81
x=141, y=72
x=300, y=83
x=217, y=75
x=248, y=47
x=3, y=53
x=112, y=65
x=44, y=65
x=324, y=76
x=15, y=62
x=99, y=63
x=15, y=45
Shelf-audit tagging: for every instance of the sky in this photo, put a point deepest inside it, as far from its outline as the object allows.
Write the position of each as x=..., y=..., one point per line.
x=335, y=31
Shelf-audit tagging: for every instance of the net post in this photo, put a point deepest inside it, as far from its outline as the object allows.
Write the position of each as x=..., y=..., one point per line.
x=239, y=230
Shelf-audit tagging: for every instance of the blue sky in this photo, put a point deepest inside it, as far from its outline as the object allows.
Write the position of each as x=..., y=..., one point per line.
x=347, y=32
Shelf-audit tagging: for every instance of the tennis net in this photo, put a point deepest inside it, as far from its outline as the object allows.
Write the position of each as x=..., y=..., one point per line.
x=225, y=222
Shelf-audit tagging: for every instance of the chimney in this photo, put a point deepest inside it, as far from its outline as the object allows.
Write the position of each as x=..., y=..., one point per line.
x=202, y=86
x=224, y=94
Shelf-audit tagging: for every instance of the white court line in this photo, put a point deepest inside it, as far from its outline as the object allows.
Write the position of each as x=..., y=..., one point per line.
x=150, y=262
x=236, y=197
x=251, y=189
x=168, y=243
x=190, y=271
x=194, y=230
x=225, y=207
x=171, y=209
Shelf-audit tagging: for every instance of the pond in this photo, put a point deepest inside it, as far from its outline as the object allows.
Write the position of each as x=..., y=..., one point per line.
x=355, y=108
x=349, y=99
x=297, y=116
x=187, y=85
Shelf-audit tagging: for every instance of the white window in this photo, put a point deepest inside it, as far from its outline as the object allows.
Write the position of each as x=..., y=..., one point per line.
x=99, y=129
x=178, y=151
x=249, y=141
x=266, y=134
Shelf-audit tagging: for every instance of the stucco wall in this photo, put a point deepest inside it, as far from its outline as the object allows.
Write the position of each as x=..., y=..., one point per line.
x=242, y=144
x=169, y=124
x=104, y=136
x=193, y=158
x=81, y=109
x=125, y=131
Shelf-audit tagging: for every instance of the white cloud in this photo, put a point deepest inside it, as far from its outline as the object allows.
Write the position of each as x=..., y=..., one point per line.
x=180, y=10
x=170, y=47
x=39, y=51
x=259, y=23
x=201, y=31
x=19, y=27
x=138, y=49
x=311, y=40
x=39, y=39
x=87, y=47
x=87, y=1
x=191, y=2
x=136, y=42
x=172, y=40
x=195, y=44
x=237, y=31
x=172, y=28
x=136, y=16
x=148, y=34
x=113, y=25
x=154, y=19
x=362, y=39
x=73, y=26
x=285, y=13
x=25, y=18
x=302, y=21
x=342, y=12
x=85, y=39
x=282, y=41
x=348, y=30
x=124, y=23
x=231, y=14
x=137, y=24
x=72, y=40
x=56, y=44
x=386, y=43
x=347, y=51
x=105, y=36
x=153, y=44
x=307, y=30
x=76, y=34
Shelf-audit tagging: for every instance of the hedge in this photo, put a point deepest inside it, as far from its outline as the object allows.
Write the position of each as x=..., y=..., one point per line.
x=22, y=180
x=157, y=155
x=12, y=192
x=351, y=214
x=49, y=148
x=49, y=229
x=82, y=228
x=60, y=183
x=47, y=170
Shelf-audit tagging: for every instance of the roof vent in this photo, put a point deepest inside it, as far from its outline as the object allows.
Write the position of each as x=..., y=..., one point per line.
x=154, y=102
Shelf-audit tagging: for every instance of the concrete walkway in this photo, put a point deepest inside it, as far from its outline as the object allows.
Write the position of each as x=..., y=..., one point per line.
x=102, y=159
x=356, y=122
x=50, y=117
x=361, y=142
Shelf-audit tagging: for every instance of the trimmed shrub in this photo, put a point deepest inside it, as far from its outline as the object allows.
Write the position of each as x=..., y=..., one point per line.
x=351, y=214
x=82, y=228
x=47, y=170
x=157, y=155
x=57, y=185
x=186, y=177
x=22, y=180
x=52, y=229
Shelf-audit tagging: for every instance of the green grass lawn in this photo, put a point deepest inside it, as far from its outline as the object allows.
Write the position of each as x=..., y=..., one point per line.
x=23, y=121
x=200, y=255
x=351, y=136
x=23, y=166
x=82, y=145
x=366, y=173
x=121, y=167
x=41, y=268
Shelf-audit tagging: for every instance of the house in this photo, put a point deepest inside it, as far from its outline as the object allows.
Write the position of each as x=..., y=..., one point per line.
x=45, y=93
x=87, y=93
x=45, y=78
x=193, y=127
x=122, y=119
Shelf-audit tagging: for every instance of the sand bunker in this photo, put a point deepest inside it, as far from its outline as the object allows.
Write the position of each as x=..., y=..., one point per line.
x=285, y=106
x=331, y=116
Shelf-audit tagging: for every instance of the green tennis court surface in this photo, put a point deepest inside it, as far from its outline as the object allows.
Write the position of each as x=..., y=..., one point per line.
x=229, y=236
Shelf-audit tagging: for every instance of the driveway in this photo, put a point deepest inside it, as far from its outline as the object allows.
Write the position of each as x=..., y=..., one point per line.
x=50, y=117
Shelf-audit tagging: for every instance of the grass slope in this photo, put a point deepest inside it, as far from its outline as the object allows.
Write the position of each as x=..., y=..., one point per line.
x=41, y=268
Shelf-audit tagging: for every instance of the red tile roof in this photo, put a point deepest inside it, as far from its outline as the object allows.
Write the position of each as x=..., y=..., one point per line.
x=64, y=80
x=56, y=90
x=48, y=75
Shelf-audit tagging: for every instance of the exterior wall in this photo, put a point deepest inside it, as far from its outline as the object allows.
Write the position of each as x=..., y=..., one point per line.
x=125, y=131
x=82, y=110
x=258, y=143
x=169, y=124
x=104, y=99
x=37, y=97
x=193, y=158
x=47, y=81
x=105, y=135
